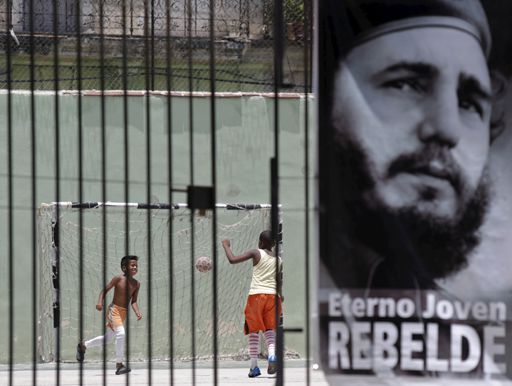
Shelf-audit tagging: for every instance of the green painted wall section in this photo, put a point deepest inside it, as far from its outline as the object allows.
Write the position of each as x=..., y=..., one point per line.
x=245, y=144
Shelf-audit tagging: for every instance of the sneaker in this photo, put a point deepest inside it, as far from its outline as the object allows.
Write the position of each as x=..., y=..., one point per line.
x=254, y=372
x=123, y=370
x=272, y=364
x=80, y=352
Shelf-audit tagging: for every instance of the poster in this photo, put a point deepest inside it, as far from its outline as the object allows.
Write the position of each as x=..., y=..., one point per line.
x=414, y=214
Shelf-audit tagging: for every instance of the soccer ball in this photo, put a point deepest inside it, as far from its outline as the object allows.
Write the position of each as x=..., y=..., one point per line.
x=203, y=264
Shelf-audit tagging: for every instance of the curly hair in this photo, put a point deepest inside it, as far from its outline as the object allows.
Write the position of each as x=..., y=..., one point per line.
x=126, y=259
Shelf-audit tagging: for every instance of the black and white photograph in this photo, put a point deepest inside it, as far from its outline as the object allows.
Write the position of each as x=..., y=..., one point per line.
x=413, y=188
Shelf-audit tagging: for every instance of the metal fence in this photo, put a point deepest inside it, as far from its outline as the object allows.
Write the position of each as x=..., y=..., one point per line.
x=256, y=48
x=174, y=35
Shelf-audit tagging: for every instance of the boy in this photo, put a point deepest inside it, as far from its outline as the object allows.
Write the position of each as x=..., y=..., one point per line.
x=260, y=311
x=126, y=289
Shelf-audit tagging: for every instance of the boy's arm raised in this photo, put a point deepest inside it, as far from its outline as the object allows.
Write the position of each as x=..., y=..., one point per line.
x=251, y=254
x=135, y=305
x=103, y=293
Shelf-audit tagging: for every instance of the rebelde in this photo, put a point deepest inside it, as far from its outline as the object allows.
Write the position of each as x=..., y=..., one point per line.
x=415, y=346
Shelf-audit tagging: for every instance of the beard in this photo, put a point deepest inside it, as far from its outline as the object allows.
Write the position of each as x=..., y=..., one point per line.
x=427, y=246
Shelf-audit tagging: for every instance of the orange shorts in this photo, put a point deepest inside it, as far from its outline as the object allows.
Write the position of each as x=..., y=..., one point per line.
x=260, y=313
x=115, y=316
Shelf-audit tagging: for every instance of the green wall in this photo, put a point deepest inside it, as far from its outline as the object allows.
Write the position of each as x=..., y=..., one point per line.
x=245, y=144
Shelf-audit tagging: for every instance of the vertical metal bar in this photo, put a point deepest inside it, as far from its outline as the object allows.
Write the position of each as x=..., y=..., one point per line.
x=33, y=140
x=131, y=17
x=152, y=65
x=307, y=13
x=191, y=160
x=278, y=47
x=278, y=75
x=213, y=120
x=195, y=17
x=169, y=189
x=103, y=183
x=126, y=171
x=10, y=196
x=55, y=281
x=80, y=179
x=274, y=199
x=149, y=62
x=56, y=306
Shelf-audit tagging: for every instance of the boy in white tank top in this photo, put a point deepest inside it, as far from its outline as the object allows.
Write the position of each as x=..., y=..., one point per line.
x=260, y=310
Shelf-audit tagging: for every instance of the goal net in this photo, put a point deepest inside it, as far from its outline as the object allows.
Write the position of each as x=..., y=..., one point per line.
x=170, y=233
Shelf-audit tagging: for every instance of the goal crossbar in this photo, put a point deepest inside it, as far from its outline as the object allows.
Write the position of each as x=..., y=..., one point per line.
x=138, y=205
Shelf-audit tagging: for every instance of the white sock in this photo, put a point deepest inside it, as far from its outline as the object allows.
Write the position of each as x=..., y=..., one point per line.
x=254, y=342
x=270, y=339
x=120, y=335
x=100, y=340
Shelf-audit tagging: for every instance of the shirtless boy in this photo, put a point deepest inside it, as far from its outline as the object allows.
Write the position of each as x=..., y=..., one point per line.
x=126, y=290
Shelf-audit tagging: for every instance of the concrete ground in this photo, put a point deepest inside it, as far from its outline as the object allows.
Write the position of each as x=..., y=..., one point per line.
x=229, y=373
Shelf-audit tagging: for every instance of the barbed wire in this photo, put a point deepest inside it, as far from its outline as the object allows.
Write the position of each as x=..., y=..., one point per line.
x=243, y=45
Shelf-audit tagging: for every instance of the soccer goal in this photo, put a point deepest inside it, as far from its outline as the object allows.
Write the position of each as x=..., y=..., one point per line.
x=168, y=232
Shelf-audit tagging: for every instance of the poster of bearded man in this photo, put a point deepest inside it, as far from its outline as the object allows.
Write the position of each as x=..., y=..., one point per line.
x=410, y=105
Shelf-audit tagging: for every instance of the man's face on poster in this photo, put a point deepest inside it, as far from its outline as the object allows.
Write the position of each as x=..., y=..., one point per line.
x=415, y=107
x=417, y=103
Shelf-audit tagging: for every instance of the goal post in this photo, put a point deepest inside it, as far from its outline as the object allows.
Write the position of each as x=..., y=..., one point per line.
x=68, y=230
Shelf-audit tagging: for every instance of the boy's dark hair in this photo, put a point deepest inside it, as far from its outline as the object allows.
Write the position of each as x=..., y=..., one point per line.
x=266, y=237
x=126, y=259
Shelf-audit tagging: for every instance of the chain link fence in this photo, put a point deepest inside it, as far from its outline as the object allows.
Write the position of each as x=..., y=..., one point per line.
x=151, y=44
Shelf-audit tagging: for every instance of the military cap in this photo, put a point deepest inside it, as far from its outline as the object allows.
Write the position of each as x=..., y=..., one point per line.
x=357, y=21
